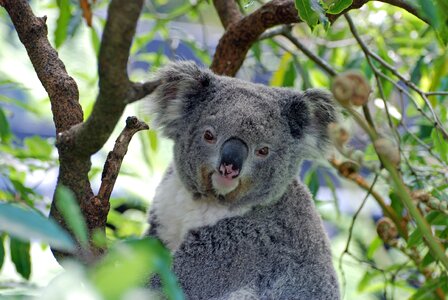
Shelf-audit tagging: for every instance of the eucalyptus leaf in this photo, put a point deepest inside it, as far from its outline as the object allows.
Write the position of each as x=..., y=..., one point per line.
x=61, y=31
x=38, y=147
x=27, y=224
x=95, y=39
x=70, y=211
x=20, y=256
x=5, y=131
x=2, y=250
x=338, y=6
x=129, y=265
x=415, y=238
x=307, y=13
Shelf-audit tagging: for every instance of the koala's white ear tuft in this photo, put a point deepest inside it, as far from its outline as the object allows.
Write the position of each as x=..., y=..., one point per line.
x=173, y=98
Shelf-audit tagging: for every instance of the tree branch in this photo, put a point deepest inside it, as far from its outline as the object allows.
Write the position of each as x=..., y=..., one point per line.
x=140, y=90
x=240, y=36
x=61, y=88
x=76, y=141
x=228, y=11
x=320, y=62
x=96, y=210
x=116, y=90
x=115, y=157
x=368, y=53
x=63, y=93
x=406, y=6
x=362, y=183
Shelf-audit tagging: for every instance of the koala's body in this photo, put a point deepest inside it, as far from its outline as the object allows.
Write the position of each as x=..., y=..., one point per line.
x=238, y=222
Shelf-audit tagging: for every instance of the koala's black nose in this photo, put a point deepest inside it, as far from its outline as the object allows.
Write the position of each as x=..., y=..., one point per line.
x=233, y=153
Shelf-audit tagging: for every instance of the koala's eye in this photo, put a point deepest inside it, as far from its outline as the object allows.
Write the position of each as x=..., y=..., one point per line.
x=262, y=152
x=209, y=137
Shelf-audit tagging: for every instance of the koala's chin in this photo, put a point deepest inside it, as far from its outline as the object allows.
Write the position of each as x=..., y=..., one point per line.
x=223, y=185
x=219, y=189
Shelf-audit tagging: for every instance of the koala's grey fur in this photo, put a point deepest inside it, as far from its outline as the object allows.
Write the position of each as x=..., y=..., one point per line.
x=264, y=239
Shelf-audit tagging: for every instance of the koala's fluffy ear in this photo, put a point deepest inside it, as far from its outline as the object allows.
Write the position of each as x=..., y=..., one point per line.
x=309, y=114
x=177, y=94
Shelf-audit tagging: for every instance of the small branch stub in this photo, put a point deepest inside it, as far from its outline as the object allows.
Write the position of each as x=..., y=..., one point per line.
x=115, y=157
x=95, y=210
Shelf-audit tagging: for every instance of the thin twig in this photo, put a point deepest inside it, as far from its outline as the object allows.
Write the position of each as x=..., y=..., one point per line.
x=437, y=93
x=320, y=62
x=350, y=232
x=437, y=122
x=362, y=183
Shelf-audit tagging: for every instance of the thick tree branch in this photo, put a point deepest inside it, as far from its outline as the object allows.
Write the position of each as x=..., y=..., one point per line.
x=63, y=94
x=116, y=90
x=228, y=11
x=370, y=54
x=61, y=88
x=240, y=36
x=76, y=141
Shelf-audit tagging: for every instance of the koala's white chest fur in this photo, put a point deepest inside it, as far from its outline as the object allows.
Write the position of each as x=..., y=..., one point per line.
x=177, y=212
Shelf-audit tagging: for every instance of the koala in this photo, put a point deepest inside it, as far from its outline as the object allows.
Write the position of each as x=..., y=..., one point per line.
x=230, y=208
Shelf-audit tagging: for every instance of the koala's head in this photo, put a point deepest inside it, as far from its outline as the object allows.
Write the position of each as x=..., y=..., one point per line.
x=237, y=142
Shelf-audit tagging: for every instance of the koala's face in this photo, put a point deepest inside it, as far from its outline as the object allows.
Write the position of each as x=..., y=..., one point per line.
x=236, y=142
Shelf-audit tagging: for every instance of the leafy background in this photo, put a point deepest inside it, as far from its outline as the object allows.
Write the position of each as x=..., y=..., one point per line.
x=371, y=265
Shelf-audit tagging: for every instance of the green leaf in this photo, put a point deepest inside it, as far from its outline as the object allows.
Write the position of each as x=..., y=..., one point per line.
x=416, y=74
x=415, y=238
x=290, y=75
x=396, y=203
x=437, y=218
x=27, y=224
x=130, y=264
x=337, y=6
x=426, y=291
x=427, y=259
x=38, y=147
x=307, y=13
x=440, y=144
x=256, y=50
x=22, y=104
x=366, y=281
x=70, y=211
x=312, y=180
x=95, y=39
x=278, y=78
x=60, y=34
x=2, y=250
x=5, y=131
x=153, y=140
x=20, y=256
x=435, y=12
x=373, y=247
x=331, y=186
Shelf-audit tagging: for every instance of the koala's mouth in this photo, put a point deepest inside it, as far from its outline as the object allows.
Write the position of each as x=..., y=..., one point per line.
x=223, y=185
